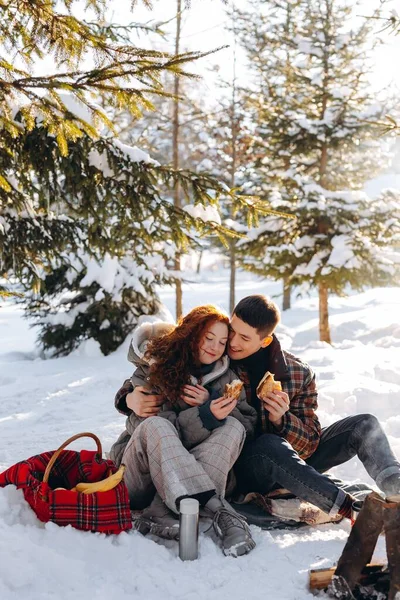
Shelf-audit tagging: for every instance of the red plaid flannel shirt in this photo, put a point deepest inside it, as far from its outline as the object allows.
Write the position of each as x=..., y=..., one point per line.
x=301, y=427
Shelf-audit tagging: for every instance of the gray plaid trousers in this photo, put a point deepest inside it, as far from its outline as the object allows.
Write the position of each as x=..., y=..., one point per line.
x=156, y=459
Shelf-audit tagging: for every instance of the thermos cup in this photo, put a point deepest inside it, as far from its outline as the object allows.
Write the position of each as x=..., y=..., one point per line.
x=188, y=529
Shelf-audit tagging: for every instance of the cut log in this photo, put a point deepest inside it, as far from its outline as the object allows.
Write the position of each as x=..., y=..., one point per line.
x=391, y=520
x=321, y=578
x=362, y=540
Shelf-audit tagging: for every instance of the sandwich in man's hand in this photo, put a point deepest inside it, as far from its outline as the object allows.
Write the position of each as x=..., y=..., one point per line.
x=268, y=384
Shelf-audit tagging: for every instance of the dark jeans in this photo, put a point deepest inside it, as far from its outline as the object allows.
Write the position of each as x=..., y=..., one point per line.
x=270, y=460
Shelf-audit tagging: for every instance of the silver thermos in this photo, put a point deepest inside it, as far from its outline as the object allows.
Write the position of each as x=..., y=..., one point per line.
x=188, y=529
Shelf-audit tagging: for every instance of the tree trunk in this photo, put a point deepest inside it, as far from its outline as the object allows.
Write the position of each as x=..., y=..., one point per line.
x=232, y=263
x=287, y=290
x=323, y=165
x=199, y=262
x=175, y=158
x=324, y=330
x=178, y=289
x=286, y=301
x=234, y=135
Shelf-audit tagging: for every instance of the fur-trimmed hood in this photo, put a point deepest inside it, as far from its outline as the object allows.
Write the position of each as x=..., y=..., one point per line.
x=145, y=332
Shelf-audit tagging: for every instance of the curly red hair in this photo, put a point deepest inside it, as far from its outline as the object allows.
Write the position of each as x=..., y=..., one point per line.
x=176, y=353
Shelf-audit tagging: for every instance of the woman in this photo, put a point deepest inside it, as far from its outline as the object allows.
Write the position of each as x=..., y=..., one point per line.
x=188, y=449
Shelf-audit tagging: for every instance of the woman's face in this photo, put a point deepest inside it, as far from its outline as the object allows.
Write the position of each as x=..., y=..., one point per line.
x=213, y=343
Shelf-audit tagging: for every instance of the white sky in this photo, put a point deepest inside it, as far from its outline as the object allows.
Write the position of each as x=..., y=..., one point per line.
x=203, y=29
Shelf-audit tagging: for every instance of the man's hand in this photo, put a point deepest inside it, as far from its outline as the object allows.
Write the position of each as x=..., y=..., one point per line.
x=222, y=407
x=143, y=403
x=194, y=395
x=277, y=403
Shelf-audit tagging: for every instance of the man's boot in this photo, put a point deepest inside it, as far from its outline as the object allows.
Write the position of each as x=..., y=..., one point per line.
x=159, y=520
x=230, y=527
x=391, y=524
x=391, y=485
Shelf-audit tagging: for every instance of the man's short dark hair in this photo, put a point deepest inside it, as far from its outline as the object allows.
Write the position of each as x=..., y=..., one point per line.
x=259, y=312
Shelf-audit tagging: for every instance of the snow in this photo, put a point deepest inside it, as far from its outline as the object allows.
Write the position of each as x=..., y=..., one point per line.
x=205, y=165
x=312, y=267
x=46, y=401
x=100, y=161
x=304, y=242
x=342, y=92
x=342, y=254
x=134, y=153
x=374, y=187
x=113, y=275
x=205, y=213
x=305, y=46
x=78, y=108
x=236, y=226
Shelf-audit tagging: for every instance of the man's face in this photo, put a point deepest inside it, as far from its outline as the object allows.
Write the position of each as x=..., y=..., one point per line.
x=244, y=339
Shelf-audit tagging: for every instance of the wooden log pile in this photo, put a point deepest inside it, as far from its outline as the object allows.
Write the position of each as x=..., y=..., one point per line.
x=355, y=578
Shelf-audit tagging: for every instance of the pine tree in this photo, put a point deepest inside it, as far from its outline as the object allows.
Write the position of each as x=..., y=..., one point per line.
x=72, y=197
x=32, y=30
x=267, y=33
x=232, y=150
x=229, y=155
x=175, y=157
x=125, y=232
x=312, y=104
x=214, y=137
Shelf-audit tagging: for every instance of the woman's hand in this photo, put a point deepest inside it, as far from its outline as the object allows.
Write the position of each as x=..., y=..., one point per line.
x=194, y=395
x=222, y=407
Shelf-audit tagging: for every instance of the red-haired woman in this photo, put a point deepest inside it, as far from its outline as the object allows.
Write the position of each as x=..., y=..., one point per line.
x=182, y=436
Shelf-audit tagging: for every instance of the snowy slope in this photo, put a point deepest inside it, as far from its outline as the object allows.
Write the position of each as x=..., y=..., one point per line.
x=45, y=401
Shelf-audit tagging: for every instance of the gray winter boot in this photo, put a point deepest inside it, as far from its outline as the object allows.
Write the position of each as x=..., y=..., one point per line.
x=391, y=485
x=230, y=527
x=158, y=519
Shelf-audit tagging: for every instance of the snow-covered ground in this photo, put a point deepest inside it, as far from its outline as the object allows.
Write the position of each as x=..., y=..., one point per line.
x=45, y=401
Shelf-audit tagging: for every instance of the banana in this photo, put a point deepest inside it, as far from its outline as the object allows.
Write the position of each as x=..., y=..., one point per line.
x=101, y=486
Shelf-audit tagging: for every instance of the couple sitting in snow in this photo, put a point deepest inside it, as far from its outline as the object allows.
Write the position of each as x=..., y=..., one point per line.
x=184, y=438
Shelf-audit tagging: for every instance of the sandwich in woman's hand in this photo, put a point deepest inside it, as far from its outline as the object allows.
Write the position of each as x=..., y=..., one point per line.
x=268, y=384
x=232, y=390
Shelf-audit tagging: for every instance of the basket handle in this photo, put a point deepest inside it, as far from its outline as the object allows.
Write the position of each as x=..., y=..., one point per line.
x=66, y=443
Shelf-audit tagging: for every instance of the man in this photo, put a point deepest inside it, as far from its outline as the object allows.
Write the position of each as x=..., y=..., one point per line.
x=290, y=449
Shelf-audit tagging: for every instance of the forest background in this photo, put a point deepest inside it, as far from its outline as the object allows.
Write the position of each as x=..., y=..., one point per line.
x=106, y=189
